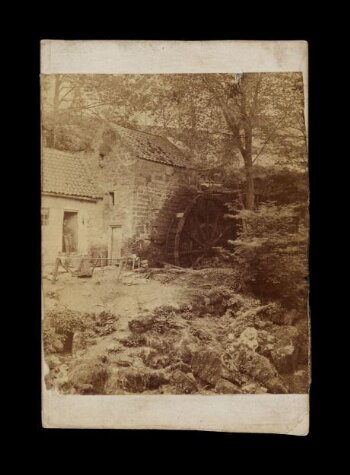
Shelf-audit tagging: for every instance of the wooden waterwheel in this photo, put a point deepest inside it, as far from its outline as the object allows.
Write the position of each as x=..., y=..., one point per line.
x=199, y=231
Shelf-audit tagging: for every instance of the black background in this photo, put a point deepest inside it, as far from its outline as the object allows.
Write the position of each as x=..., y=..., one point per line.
x=148, y=448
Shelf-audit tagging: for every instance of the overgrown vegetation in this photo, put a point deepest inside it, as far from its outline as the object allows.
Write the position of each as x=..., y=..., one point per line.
x=271, y=253
x=223, y=342
x=245, y=329
x=60, y=327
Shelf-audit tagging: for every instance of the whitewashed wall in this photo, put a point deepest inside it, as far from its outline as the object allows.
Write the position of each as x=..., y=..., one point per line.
x=90, y=229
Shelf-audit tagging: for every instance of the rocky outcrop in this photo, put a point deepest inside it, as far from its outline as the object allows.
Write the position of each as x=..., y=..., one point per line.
x=207, y=366
x=286, y=351
x=88, y=377
x=141, y=325
x=259, y=369
x=134, y=381
x=184, y=383
x=226, y=387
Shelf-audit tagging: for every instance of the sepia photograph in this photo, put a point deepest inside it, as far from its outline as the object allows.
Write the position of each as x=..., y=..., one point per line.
x=174, y=219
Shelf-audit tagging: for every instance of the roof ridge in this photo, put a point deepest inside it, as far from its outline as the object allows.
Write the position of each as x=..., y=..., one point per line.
x=172, y=155
x=151, y=134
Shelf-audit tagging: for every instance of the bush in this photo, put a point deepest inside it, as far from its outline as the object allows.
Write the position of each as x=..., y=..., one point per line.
x=58, y=330
x=271, y=252
x=60, y=326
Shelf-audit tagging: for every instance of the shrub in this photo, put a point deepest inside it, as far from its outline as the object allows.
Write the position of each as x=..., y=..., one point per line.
x=58, y=330
x=271, y=252
x=60, y=326
x=65, y=321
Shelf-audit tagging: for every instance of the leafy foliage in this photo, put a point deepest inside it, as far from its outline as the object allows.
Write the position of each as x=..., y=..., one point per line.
x=211, y=115
x=271, y=252
x=66, y=321
x=59, y=327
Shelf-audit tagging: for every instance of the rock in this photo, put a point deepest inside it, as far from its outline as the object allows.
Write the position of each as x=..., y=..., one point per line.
x=79, y=342
x=301, y=381
x=124, y=363
x=265, y=350
x=250, y=388
x=253, y=388
x=249, y=338
x=265, y=337
x=52, y=361
x=134, y=381
x=285, y=355
x=88, y=377
x=286, y=334
x=276, y=386
x=155, y=360
x=303, y=327
x=261, y=324
x=258, y=368
x=261, y=390
x=161, y=345
x=202, y=335
x=285, y=358
x=226, y=387
x=273, y=312
x=297, y=382
x=185, y=368
x=142, y=324
x=207, y=366
x=185, y=349
x=155, y=380
x=185, y=383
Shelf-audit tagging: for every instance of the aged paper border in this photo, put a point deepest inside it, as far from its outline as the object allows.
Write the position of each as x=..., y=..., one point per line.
x=280, y=414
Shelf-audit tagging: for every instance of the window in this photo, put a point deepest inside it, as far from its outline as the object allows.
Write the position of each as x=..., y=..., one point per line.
x=112, y=197
x=44, y=216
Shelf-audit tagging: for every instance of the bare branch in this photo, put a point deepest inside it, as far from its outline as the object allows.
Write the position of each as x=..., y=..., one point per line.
x=229, y=119
x=253, y=107
x=273, y=132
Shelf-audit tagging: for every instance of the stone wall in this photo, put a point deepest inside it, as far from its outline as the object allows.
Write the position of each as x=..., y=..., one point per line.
x=161, y=191
x=146, y=196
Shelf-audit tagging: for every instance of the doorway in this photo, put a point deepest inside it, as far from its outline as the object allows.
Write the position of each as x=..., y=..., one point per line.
x=115, y=244
x=70, y=232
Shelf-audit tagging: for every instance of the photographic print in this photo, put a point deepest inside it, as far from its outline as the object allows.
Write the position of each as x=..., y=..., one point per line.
x=174, y=219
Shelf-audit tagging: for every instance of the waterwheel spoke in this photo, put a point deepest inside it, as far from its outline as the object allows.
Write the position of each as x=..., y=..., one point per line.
x=215, y=227
x=207, y=218
x=200, y=230
x=220, y=235
x=194, y=238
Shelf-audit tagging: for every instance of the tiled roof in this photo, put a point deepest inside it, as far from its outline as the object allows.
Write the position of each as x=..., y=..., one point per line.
x=65, y=173
x=152, y=147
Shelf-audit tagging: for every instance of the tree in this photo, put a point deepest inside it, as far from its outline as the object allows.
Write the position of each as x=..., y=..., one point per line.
x=271, y=253
x=254, y=116
x=261, y=111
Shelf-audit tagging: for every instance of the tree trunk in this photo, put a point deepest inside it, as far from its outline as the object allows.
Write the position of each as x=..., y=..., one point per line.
x=250, y=192
x=249, y=172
